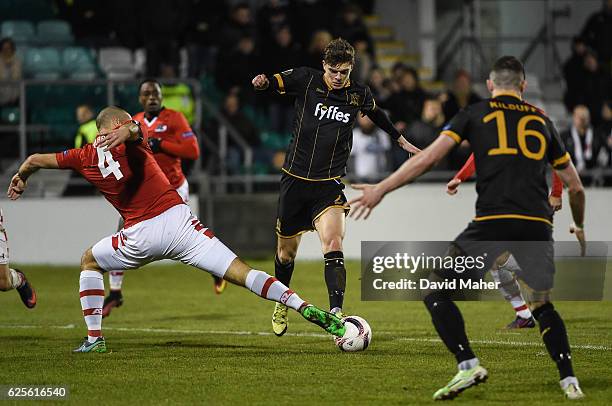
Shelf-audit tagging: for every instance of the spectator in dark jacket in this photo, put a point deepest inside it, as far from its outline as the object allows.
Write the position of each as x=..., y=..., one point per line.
x=314, y=57
x=604, y=131
x=461, y=94
x=351, y=27
x=595, y=87
x=406, y=105
x=240, y=25
x=573, y=71
x=597, y=33
x=236, y=67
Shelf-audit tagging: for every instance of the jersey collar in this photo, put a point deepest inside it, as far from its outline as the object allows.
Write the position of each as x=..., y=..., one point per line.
x=509, y=94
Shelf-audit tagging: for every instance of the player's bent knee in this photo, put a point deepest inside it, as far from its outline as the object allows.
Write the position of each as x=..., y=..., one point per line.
x=286, y=255
x=501, y=260
x=88, y=262
x=332, y=244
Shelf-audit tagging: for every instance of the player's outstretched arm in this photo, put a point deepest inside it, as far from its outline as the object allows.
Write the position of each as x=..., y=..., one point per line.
x=411, y=169
x=32, y=164
x=577, y=201
x=381, y=119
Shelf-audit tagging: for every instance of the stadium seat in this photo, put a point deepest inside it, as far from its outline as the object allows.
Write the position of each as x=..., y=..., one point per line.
x=9, y=115
x=117, y=63
x=20, y=31
x=78, y=63
x=43, y=63
x=54, y=32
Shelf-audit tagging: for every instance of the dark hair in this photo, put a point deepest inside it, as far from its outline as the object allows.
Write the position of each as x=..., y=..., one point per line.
x=148, y=80
x=508, y=72
x=339, y=51
x=8, y=40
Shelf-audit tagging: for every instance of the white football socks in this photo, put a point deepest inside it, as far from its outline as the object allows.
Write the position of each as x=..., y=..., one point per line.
x=91, y=291
x=115, y=279
x=270, y=288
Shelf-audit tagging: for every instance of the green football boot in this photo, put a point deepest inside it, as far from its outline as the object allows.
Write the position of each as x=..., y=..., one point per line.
x=461, y=381
x=323, y=319
x=97, y=346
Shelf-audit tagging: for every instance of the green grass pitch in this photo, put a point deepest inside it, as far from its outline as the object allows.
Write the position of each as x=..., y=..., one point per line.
x=174, y=341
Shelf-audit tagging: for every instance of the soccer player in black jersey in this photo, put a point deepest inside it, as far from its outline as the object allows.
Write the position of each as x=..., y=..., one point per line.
x=311, y=194
x=512, y=142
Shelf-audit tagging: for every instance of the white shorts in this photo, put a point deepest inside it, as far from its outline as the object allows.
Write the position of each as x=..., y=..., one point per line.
x=4, y=252
x=175, y=234
x=183, y=191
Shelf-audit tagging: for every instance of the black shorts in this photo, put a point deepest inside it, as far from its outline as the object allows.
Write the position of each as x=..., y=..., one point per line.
x=530, y=242
x=301, y=202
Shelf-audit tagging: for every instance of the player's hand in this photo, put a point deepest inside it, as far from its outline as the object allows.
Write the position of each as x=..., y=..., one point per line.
x=452, y=187
x=406, y=146
x=555, y=202
x=260, y=82
x=113, y=138
x=155, y=144
x=363, y=205
x=579, y=232
x=16, y=187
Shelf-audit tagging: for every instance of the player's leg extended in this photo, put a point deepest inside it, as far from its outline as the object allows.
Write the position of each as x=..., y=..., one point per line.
x=448, y=322
x=13, y=278
x=91, y=292
x=284, y=263
x=330, y=226
x=503, y=274
x=270, y=288
x=115, y=280
x=554, y=335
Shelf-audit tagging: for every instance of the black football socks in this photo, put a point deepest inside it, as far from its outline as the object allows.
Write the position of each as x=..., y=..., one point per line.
x=554, y=335
x=335, y=278
x=449, y=324
x=283, y=272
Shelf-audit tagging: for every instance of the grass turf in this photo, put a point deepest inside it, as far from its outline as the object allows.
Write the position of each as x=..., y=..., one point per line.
x=175, y=341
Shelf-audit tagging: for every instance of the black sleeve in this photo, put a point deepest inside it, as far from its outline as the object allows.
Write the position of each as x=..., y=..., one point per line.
x=381, y=119
x=457, y=126
x=558, y=156
x=290, y=82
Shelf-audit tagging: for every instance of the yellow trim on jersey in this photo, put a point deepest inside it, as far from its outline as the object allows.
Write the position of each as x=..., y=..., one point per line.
x=308, y=179
x=513, y=216
x=281, y=84
x=453, y=135
x=322, y=212
x=515, y=95
x=560, y=161
x=291, y=236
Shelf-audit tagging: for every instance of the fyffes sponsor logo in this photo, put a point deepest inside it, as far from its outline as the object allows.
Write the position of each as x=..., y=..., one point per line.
x=332, y=112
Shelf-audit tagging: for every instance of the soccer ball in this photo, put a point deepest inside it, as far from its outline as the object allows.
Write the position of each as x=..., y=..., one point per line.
x=357, y=336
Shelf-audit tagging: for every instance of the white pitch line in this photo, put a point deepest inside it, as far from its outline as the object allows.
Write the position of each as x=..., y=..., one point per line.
x=303, y=334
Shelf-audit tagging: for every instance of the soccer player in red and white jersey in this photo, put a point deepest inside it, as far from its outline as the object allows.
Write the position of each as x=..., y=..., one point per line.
x=505, y=268
x=171, y=139
x=13, y=278
x=158, y=223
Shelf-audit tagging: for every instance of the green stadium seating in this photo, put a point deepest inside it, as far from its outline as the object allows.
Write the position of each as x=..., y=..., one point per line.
x=9, y=115
x=54, y=32
x=78, y=63
x=20, y=31
x=126, y=96
x=43, y=63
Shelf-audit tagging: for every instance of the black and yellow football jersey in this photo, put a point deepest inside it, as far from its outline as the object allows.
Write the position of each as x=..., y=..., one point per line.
x=323, y=128
x=513, y=143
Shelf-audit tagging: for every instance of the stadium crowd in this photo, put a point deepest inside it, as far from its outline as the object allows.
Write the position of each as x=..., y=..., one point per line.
x=232, y=41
